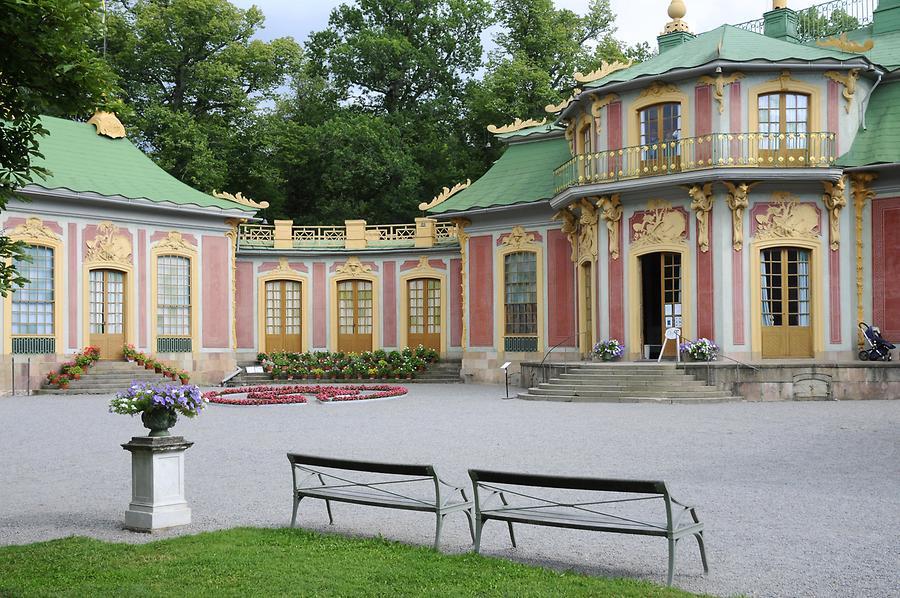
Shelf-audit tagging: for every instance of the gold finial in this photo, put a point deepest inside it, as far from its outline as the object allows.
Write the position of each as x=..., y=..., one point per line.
x=677, y=10
x=516, y=125
x=606, y=68
x=107, y=124
x=444, y=195
x=776, y=4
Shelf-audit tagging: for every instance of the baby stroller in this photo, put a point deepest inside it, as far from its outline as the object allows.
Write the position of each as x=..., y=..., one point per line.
x=878, y=349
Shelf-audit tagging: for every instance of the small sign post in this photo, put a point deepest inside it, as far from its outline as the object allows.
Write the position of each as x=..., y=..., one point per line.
x=505, y=368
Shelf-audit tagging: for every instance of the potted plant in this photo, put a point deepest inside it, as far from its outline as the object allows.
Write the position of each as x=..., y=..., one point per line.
x=317, y=373
x=158, y=367
x=184, y=377
x=608, y=350
x=140, y=358
x=701, y=349
x=74, y=372
x=159, y=405
x=63, y=381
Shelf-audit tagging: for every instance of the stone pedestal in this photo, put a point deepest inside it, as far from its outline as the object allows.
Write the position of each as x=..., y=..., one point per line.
x=157, y=483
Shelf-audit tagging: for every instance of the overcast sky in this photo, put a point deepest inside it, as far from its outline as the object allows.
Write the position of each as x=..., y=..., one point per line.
x=637, y=20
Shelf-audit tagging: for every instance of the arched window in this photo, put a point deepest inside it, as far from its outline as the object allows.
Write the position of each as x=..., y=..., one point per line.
x=173, y=303
x=33, y=305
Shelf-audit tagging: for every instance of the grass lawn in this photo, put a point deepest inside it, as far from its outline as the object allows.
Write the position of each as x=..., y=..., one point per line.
x=267, y=562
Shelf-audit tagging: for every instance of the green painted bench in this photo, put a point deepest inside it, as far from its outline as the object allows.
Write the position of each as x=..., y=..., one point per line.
x=602, y=505
x=387, y=485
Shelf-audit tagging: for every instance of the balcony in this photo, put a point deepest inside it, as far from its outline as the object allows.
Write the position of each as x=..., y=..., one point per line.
x=717, y=150
x=354, y=234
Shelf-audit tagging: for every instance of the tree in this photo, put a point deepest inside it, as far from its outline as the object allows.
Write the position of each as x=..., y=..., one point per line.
x=46, y=67
x=391, y=55
x=195, y=76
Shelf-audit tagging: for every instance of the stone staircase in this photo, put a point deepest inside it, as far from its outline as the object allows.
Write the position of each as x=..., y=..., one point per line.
x=106, y=377
x=627, y=383
x=442, y=372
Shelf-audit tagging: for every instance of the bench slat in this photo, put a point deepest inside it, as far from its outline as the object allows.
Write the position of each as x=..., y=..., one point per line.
x=573, y=483
x=367, y=466
x=585, y=522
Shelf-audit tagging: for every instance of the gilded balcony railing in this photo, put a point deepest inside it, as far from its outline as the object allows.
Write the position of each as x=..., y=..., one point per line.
x=256, y=236
x=318, y=236
x=717, y=150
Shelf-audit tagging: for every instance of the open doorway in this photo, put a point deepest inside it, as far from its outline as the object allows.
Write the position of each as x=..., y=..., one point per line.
x=661, y=301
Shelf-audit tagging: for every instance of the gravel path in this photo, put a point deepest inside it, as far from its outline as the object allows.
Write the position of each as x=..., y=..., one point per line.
x=799, y=499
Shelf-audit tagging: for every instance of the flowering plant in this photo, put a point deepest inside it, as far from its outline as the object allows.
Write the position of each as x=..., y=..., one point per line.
x=609, y=349
x=701, y=349
x=145, y=397
x=280, y=395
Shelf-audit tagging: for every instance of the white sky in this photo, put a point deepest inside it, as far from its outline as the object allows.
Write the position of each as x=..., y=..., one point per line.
x=637, y=20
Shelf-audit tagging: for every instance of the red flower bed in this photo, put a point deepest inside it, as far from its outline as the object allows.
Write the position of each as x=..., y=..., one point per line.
x=278, y=395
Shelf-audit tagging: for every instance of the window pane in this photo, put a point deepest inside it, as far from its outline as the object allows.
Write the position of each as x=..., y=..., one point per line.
x=520, y=279
x=173, y=295
x=33, y=304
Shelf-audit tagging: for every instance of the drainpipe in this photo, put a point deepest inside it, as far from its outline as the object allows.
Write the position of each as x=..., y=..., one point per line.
x=865, y=107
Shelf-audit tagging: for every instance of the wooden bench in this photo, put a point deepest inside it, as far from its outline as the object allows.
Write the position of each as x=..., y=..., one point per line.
x=392, y=486
x=622, y=508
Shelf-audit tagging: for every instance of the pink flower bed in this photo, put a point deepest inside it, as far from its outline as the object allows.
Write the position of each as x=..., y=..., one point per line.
x=276, y=395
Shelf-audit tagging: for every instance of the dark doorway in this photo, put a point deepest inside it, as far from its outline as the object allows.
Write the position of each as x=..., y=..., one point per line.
x=651, y=300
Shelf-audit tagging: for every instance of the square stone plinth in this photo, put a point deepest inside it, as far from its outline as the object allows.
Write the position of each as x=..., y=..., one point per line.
x=157, y=483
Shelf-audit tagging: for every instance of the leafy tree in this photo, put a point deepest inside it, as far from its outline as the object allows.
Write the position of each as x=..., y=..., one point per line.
x=194, y=75
x=46, y=67
x=812, y=25
x=390, y=55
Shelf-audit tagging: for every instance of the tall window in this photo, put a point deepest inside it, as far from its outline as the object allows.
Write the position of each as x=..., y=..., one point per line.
x=783, y=114
x=520, y=280
x=32, y=305
x=660, y=123
x=173, y=288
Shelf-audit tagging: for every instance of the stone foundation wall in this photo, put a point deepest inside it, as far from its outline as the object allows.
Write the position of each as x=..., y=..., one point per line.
x=19, y=373
x=206, y=369
x=804, y=382
x=484, y=366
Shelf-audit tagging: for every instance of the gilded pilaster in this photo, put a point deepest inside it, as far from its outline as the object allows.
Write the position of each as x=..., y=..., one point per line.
x=232, y=235
x=463, y=237
x=862, y=192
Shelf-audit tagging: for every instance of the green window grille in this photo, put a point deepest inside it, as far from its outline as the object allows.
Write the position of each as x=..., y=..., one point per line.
x=520, y=344
x=173, y=345
x=33, y=345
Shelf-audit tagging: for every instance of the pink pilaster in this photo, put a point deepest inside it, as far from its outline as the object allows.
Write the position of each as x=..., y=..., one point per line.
x=735, y=117
x=706, y=321
x=886, y=266
x=320, y=307
x=244, y=291
x=834, y=91
x=703, y=122
x=614, y=132
x=617, y=293
x=72, y=277
x=142, y=287
x=834, y=294
x=455, y=304
x=481, y=292
x=737, y=296
x=561, y=282
x=389, y=321
x=216, y=295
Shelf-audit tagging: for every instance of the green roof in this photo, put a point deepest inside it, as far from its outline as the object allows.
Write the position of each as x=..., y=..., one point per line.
x=523, y=174
x=879, y=143
x=886, y=50
x=723, y=43
x=82, y=161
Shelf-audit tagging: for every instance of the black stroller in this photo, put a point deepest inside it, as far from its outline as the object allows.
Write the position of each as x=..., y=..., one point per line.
x=878, y=349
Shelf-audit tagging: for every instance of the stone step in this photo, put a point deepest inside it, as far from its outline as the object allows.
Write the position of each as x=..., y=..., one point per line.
x=619, y=385
x=629, y=377
x=630, y=399
x=699, y=393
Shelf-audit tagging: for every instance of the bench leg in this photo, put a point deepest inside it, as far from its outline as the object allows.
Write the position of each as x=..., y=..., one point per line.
x=512, y=535
x=437, y=530
x=699, y=536
x=479, y=524
x=294, y=514
x=672, y=544
x=328, y=508
x=468, y=513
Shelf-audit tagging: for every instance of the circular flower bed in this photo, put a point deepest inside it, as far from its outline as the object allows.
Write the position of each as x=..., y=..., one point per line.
x=279, y=395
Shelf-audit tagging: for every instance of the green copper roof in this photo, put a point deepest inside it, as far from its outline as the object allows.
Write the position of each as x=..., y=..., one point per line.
x=523, y=174
x=724, y=43
x=82, y=161
x=879, y=143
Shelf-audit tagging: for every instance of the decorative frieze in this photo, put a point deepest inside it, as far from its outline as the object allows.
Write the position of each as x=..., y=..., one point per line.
x=175, y=242
x=518, y=238
x=786, y=218
x=352, y=267
x=659, y=224
x=701, y=203
x=834, y=201
x=108, y=246
x=719, y=82
x=33, y=230
x=611, y=211
x=849, y=82
x=738, y=200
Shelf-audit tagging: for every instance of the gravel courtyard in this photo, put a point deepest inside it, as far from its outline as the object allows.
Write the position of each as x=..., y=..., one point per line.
x=799, y=499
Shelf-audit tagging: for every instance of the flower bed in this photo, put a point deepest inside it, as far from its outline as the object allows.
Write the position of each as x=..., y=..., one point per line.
x=330, y=366
x=281, y=395
x=73, y=370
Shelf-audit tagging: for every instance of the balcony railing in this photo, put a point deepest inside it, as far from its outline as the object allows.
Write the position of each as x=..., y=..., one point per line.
x=354, y=234
x=826, y=19
x=717, y=150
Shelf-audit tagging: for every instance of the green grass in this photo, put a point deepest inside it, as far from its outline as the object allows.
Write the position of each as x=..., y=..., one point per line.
x=272, y=562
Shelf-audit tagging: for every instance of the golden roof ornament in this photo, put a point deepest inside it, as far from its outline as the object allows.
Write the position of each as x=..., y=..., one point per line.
x=107, y=124
x=676, y=11
x=444, y=195
x=776, y=4
x=516, y=125
x=843, y=43
x=555, y=109
x=606, y=68
x=239, y=198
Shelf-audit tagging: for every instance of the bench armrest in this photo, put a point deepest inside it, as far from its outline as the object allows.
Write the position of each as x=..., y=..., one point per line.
x=690, y=509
